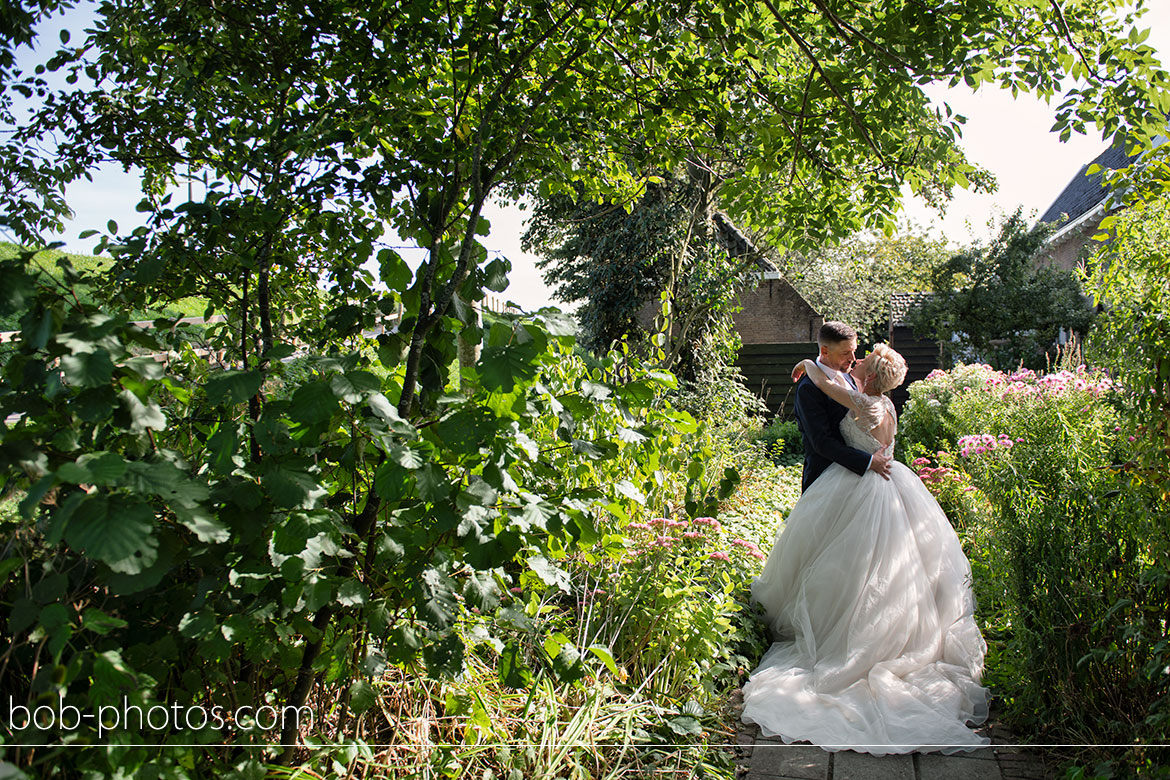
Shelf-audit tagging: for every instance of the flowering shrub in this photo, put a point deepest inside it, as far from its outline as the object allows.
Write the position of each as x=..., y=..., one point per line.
x=943, y=406
x=1028, y=466
x=665, y=604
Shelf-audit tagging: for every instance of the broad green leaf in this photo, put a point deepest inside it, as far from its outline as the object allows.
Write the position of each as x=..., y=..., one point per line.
x=8, y=566
x=292, y=535
x=354, y=386
x=435, y=598
x=280, y=351
x=352, y=593
x=99, y=622
x=233, y=387
x=362, y=696
x=627, y=489
x=433, y=484
x=402, y=644
x=117, y=532
x=88, y=369
x=223, y=449
x=290, y=487
x=383, y=409
x=549, y=573
x=595, y=390
x=406, y=457
x=481, y=591
x=395, y=273
x=467, y=430
x=512, y=671
x=496, y=274
x=200, y=520
x=313, y=402
x=392, y=481
x=444, y=658
x=606, y=657
x=94, y=468
x=199, y=624
x=502, y=367
x=165, y=480
x=142, y=415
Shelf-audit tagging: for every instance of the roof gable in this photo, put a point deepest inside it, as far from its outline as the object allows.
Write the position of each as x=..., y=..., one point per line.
x=1085, y=192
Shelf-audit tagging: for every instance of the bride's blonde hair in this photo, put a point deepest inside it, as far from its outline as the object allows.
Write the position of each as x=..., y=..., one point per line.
x=888, y=366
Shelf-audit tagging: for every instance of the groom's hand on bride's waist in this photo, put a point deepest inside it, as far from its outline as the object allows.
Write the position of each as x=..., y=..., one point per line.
x=880, y=462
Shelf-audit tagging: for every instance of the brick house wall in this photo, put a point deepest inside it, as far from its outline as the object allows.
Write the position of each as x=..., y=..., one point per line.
x=775, y=313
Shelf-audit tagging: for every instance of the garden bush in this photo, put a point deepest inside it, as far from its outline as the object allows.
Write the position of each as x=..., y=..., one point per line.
x=782, y=442
x=168, y=547
x=1028, y=466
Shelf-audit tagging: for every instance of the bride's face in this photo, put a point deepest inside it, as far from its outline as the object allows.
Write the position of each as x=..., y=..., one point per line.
x=864, y=377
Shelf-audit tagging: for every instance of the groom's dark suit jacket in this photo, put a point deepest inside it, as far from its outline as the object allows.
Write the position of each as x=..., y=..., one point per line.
x=819, y=419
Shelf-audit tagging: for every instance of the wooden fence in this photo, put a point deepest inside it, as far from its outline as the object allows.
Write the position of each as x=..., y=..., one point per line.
x=767, y=372
x=767, y=368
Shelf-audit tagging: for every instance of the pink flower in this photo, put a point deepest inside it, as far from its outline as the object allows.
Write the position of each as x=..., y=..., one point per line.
x=719, y=556
x=920, y=462
x=709, y=521
x=759, y=556
x=693, y=535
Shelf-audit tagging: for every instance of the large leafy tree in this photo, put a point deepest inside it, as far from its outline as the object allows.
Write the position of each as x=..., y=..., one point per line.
x=657, y=272
x=386, y=494
x=997, y=304
x=854, y=280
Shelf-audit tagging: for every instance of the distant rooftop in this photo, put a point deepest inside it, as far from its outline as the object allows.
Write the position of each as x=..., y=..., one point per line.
x=1084, y=193
x=736, y=243
x=902, y=303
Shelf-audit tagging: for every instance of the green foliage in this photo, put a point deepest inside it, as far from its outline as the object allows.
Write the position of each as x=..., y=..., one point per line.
x=204, y=536
x=782, y=442
x=996, y=305
x=656, y=273
x=1129, y=277
x=143, y=484
x=611, y=262
x=94, y=268
x=1070, y=595
x=853, y=281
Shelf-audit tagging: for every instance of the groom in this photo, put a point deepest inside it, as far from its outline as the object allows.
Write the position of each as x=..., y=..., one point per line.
x=819, y=417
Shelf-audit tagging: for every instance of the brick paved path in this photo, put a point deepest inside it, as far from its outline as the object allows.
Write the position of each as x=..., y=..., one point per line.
x=763, y=758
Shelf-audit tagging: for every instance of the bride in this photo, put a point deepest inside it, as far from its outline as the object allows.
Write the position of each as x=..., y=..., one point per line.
x=869, y=593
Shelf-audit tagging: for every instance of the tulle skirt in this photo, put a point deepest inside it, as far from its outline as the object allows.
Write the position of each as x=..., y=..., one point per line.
x=869, y=594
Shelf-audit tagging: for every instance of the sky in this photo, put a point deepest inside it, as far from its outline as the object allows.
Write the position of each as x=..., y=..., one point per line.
x=1009, y=137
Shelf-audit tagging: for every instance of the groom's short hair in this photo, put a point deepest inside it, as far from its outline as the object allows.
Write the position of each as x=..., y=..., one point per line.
x=834, y=332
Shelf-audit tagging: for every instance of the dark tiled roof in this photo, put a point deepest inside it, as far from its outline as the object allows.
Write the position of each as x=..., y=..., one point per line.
x=901, y=304
x=1085, y=192
x=735, y=242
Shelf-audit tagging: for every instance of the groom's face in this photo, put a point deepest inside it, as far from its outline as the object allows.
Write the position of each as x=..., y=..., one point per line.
x=840, y=356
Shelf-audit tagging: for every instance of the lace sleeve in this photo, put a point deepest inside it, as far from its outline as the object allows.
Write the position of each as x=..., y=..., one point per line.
x=871, y=409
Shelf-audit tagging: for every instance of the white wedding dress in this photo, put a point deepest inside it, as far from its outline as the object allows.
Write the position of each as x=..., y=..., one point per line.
x=869, y=594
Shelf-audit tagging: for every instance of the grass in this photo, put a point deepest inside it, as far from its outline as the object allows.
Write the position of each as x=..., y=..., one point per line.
x=46, y=261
